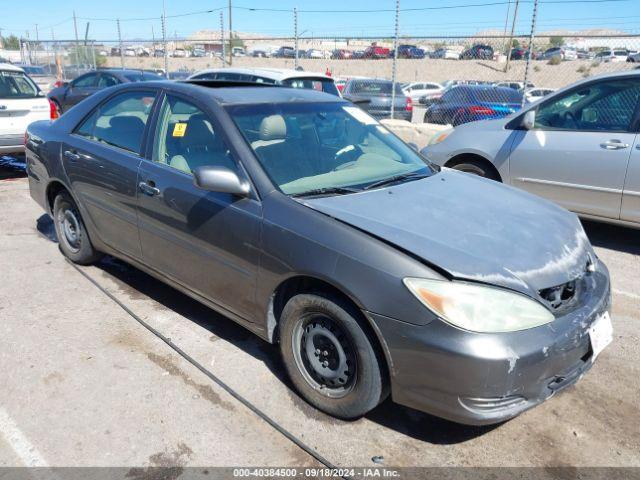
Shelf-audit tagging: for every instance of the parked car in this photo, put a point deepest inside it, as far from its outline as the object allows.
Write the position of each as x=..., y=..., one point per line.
x=415, y=90
x=129, y=52
x=179, y=75
x=446, y=53
x=470, y=103
x=199, y=53
x=158, y=52
x=585, y=54
x=314, y=53
x=479, y=51
x=357, y=54
x=313, y=226
x=285, y=52
x=534, y=94
x=577, y=147
x=410, y=51
x=273, y=76
x=519, y=53
x=613, y=56
x=633, y=57
x=341, y=54
x=564, y=53
x=374, y=96
x=40, y=76
x=70, y=93
x=516, y=85
x=21, y=102
x=179, y=53
x=259, y=53
x=376, y=52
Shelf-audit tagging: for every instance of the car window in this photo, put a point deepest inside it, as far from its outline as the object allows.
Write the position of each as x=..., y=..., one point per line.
x=107, y=81
x=257, y=79
x=120, y=121
x=308, y=146
x=142, y=77
x=321, y=85
x=185, y=138
x=604, y=106
x=16, y=85
x=88, y=80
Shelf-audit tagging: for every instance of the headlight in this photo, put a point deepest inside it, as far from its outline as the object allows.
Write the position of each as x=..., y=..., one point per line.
x=477, y=308
x=439, y=137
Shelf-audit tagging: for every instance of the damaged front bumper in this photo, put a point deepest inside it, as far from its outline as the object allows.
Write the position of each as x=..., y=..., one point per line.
x=480, y=379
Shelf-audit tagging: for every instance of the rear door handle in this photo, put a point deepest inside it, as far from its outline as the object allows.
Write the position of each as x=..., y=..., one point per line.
x=149, y=188
x=614, y=145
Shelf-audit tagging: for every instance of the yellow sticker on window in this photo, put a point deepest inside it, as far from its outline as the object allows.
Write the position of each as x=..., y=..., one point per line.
x=179, y=129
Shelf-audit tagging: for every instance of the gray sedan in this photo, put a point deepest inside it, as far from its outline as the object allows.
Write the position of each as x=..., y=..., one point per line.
x=300, y=217
x=578, y=147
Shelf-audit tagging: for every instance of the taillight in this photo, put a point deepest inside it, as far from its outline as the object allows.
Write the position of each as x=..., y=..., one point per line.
x=53, y=111
x=58, y=83
x=408, y=106
x=480, y=110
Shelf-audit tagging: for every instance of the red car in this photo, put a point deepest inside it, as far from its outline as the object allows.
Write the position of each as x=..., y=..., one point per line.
x=375, y=51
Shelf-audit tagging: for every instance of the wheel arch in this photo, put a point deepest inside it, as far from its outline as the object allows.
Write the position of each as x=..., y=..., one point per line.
x=54, y=187
x=462, y=157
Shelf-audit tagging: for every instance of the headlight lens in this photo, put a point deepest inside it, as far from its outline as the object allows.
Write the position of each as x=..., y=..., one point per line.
x=478, y=308
x=439, y=137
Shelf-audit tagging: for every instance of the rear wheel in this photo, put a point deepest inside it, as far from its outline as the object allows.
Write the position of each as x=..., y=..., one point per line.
x=329, y=357
x=72, y=234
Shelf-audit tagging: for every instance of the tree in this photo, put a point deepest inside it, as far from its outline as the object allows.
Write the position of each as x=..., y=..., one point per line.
x=515, y=43
x=11, y=43
x=556, y=41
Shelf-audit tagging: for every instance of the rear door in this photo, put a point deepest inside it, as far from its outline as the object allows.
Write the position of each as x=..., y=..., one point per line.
x=101, y=159
x=630, y=211
x=206, y=241
x=79, y=89
x=20, y=104
x=577, y=154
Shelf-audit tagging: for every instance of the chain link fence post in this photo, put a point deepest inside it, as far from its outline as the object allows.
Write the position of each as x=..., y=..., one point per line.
x=395, y=60
x=224, y=50
x=120, y=44
x=295, y=37
x=530, y=50
x=163, y=21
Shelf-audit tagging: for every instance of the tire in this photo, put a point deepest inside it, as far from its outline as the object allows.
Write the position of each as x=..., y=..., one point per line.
x=73, y=240
x=476, y=167
x=319, y=336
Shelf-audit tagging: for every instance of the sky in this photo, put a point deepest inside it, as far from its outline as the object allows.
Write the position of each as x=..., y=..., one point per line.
x=54, y=17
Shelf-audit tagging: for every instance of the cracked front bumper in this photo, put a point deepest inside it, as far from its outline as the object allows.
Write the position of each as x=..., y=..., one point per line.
x=478, y=378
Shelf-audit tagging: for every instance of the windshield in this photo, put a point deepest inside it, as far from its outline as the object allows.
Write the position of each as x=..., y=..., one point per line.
x=16, y=85
x=374, y=88
x=306, y=147
x=321, y=84
x=142, y=77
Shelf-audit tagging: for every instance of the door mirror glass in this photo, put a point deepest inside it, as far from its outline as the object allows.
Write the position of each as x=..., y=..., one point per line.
x=221, y=180
x=529, y=120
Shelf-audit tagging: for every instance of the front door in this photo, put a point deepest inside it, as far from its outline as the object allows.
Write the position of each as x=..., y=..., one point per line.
x=79, y=89
x=101, y=159
x=578, y=152
x=206, y=241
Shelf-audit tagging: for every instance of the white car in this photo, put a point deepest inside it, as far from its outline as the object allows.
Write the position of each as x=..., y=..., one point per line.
x=129, y=52
x=514, y=85
x=613, y=56
x=415, y=90
x=633, y=57
x=535, y=94
x=274, y=76
x=21, y=102
x=315, y=53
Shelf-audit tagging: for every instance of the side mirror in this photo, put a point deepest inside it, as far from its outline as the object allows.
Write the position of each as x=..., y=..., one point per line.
x=220, y=179
x=529, y=120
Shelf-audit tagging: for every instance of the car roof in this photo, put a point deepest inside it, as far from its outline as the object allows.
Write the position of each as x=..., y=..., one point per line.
x=11, y=68
x=227, y=94
x=277, y=74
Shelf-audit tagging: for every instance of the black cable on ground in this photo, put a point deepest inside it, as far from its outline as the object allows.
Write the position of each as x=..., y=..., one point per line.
x=218, y=381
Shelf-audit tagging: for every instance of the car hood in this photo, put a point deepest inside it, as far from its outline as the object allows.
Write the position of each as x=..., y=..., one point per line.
x=471, y=228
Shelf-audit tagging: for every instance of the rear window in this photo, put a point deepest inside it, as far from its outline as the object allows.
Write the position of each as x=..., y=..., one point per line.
x=374, y=88
x=16, y=85
x=498, y=95
x=142, y=77
x=320, y=84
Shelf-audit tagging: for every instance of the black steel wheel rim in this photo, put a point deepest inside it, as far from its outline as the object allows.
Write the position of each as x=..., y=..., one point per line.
x=69, y=226
x=325, y=355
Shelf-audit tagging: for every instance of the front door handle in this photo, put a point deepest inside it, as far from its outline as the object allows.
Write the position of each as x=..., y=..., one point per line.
x=614, y=144
x=149, y=188
x=71, y=155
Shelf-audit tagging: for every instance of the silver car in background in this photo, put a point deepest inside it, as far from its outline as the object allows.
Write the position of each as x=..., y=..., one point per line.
x=578, y=147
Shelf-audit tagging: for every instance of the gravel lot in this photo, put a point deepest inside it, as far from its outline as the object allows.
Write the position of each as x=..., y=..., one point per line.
x=84, y=384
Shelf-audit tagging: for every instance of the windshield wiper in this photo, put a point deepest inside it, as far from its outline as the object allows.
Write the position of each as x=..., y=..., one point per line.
x=396, y=179
x=327, y=191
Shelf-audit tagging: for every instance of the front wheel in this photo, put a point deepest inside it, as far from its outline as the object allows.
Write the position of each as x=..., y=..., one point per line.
x=329, y=357
x=72, y=234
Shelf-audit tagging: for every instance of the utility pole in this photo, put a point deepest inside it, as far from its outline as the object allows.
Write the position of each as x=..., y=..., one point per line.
x=75, y=28
x=513, y=28
x=230, y=37
x=224, y=53
x=531, y=38
x=295, y=35
x=120, y=44
x=395, y=59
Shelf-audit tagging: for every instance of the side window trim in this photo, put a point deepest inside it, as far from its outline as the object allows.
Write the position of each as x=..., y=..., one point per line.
x=98, y=108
